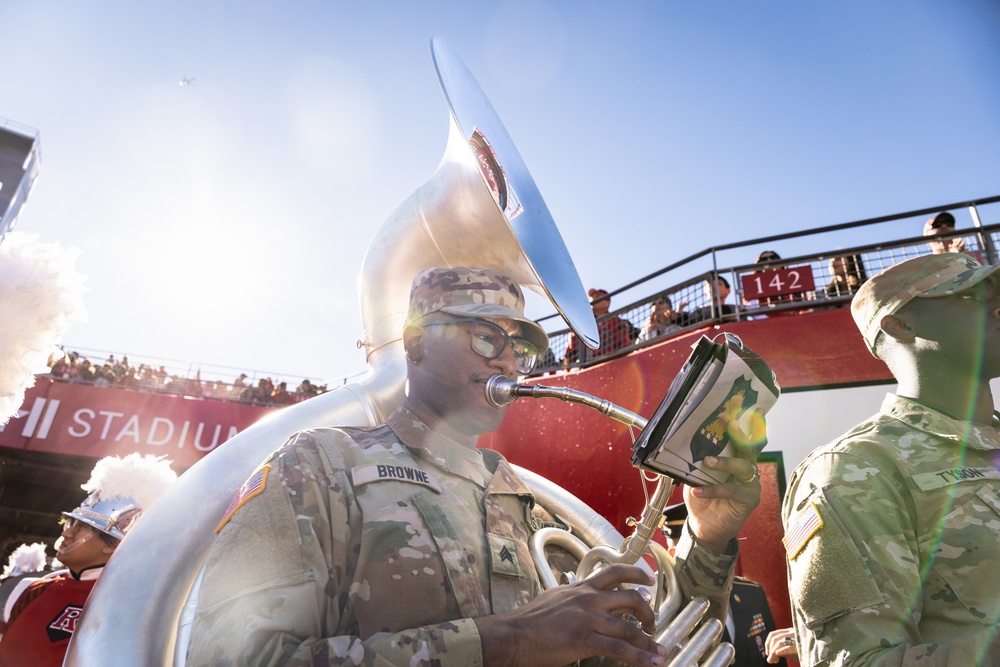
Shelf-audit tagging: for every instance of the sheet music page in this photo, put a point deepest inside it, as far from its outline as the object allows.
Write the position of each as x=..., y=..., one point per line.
x=719, y=392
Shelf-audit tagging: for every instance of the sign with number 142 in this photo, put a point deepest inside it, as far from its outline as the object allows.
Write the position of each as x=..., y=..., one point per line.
x=791, y=280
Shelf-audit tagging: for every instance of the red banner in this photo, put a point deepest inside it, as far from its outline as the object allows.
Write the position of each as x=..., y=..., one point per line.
x=83, y=420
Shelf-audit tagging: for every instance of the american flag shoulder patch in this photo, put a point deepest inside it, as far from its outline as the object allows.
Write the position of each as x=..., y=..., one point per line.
x=250, y=488
x=804, y=527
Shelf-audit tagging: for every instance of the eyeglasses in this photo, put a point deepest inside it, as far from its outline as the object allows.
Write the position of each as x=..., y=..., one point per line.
x=489, y=341
x=69, y=524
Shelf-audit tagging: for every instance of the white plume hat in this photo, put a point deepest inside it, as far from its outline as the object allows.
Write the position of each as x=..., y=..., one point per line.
x=25, y=559
x=121, y=489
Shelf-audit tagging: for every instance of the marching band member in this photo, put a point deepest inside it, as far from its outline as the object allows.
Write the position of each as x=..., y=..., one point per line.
x=45, y=613
x=404, y=544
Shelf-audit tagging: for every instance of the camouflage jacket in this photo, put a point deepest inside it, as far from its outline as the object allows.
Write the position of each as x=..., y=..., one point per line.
x=375, y=547
x=891, y=534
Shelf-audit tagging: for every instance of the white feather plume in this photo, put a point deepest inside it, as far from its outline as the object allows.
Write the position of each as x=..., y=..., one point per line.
x=25, y=559
x=143, y=478
x=41, y=294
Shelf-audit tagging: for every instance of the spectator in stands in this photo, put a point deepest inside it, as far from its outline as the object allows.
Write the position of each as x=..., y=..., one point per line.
x=60, y=369
x=240, y=386
x=194, y=386
x=548, y=360
x=766, y=257
x=105, y=376
x=307, y=389
x=120, y=368
x=259, y=395
x=662, y=319
x=716, y=296
x=943, y=223
x=88, y=373
x=216, y=389
x=281, y=396
x=148, y=380
x=73, y=372
x=176, y=385
x=847, y=273
x=615, y=332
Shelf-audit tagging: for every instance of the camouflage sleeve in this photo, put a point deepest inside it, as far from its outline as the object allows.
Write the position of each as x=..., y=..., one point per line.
x=276, y=581
x=704, y=573
x=855, y=573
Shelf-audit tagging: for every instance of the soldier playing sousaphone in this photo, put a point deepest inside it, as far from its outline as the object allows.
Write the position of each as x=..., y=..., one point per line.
x=403, y=544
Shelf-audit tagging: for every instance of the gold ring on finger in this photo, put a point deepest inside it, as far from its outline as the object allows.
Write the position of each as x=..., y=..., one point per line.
x=754, y=477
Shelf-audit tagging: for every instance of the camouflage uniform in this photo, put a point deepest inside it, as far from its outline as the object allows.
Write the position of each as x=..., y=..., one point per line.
x=891, y=534
x=377, y=546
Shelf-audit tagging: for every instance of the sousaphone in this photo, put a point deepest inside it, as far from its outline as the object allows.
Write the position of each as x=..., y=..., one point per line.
x=480, y=208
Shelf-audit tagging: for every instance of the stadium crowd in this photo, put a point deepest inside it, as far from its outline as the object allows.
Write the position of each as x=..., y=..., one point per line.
x=76, y=368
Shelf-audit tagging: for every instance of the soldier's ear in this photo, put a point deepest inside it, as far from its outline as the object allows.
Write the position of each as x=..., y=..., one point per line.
x=897, y=327
x=413, y=344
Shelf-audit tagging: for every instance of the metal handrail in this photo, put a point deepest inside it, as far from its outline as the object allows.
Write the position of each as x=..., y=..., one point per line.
x=875, y=257
x=714, y=250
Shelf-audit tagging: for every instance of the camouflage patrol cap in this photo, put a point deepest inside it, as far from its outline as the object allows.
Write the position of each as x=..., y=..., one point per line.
x=463, y=290
x=925, y=277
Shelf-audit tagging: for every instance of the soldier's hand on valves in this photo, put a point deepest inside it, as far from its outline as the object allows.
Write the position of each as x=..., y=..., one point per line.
x=575, y=621
x=716, y=513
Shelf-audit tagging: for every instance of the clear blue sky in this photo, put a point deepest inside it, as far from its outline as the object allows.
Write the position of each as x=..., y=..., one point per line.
x=225, y=222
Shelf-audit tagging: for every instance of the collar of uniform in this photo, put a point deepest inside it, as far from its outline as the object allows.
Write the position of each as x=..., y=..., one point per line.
x=929, y=420
x=87, y=573
x=505, y=480
x=437, y=449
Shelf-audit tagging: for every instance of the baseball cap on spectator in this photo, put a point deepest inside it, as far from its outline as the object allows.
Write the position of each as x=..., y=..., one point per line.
x=923, y=277
x=944, y=219
x=464, y=290
x=595, y=293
